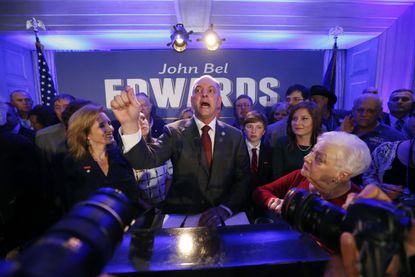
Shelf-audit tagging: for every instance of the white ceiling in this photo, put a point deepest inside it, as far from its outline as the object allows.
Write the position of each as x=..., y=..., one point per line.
x=139, y=24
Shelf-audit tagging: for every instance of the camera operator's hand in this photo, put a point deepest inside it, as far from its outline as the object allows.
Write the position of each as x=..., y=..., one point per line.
x=275, y=204
x=348, y=263
x=370, y=191
x=213, y=217
x=392, y=191
x=394, y=266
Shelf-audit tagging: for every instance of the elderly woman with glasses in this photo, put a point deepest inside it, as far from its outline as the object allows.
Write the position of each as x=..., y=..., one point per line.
x=327, y=170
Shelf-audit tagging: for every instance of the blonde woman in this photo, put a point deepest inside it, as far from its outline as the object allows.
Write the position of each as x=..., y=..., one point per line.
x=94, y=161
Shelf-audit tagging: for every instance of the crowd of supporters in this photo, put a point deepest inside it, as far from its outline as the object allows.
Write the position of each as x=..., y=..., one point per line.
x=53, y=158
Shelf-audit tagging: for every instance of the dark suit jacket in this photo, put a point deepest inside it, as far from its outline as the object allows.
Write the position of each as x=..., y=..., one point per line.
x=28, y=133
x=262, y=177
x=195, y=188
x=21, y=199
x=82, y=178
x=264, y=174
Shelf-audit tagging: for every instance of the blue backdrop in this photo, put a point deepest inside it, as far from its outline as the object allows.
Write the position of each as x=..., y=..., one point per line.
x=167, y=76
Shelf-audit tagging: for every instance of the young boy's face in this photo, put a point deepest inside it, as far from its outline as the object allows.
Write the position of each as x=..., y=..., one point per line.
x=254, y=132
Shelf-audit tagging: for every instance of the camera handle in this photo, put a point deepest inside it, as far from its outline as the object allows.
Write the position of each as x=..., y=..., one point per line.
x=375, y=257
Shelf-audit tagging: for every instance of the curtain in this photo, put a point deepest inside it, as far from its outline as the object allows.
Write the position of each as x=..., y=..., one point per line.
x=396, y=55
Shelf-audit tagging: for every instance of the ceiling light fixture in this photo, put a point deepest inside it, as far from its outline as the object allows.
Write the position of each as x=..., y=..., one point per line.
x=179, y=38
x=211, y=39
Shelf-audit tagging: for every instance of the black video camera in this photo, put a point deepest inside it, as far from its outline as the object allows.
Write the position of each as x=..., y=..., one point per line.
x=81, y=243
x=380, y=228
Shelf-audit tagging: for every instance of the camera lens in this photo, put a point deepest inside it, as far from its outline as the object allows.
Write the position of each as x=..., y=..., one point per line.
x=306, y=212
x=83, y=241
x=379, y=228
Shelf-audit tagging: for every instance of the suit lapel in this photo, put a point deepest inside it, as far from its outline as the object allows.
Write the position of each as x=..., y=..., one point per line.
x=220, y=136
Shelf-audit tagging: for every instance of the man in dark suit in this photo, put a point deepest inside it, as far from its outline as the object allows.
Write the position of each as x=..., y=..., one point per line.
x=209, y=157
x=23, y=103
x=21, y=198
x=12, y=123
x=400, y=103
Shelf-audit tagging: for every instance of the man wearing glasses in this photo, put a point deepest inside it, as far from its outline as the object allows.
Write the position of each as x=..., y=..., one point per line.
x=241, y=107
x=364, y=122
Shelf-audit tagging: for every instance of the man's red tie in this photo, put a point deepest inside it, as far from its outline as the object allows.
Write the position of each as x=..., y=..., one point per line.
x=254, y=162
x=207, y=144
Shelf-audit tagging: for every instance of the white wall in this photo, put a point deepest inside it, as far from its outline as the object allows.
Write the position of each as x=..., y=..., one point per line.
x=361, y=64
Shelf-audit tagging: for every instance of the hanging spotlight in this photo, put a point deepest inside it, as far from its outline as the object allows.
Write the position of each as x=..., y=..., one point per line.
x=211, y=39
x=179, y=38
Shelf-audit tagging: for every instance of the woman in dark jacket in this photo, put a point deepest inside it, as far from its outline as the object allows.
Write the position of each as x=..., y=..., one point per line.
x=93, y=160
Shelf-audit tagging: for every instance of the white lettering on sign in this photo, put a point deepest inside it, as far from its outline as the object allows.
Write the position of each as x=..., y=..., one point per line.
x=208, y=68
x=212, y=68
x=167, y=93
x=176, y=92
x=111, y=90
x=268, y=86
x=178, y=69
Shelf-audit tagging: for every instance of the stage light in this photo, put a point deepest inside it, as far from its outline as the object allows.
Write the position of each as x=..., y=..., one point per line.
x=211, y=39
x=179, y=38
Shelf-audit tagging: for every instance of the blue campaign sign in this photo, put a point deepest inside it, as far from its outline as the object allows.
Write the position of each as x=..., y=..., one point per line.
x=167, y=77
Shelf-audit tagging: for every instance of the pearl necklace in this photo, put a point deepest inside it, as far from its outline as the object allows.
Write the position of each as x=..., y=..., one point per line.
x=302, y=148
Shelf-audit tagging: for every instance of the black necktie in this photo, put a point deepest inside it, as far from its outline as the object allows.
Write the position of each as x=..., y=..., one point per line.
x=207, y=144
x=254, y=161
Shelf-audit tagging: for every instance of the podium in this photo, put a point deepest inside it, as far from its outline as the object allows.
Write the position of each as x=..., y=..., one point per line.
x=256, y=250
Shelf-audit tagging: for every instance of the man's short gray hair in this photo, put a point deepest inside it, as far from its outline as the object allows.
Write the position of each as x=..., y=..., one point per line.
x=365, y=96
x=352, y=153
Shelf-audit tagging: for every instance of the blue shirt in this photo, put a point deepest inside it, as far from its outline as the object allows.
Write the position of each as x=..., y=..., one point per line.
x=381, y=134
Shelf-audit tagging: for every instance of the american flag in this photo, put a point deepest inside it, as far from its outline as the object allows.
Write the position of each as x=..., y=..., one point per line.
x=47, y=87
